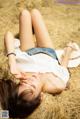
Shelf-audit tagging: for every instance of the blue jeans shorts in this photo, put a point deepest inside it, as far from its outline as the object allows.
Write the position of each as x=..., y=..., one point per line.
x=49, y=51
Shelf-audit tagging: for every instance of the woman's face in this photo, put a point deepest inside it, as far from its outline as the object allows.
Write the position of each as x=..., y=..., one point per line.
x=32, y=87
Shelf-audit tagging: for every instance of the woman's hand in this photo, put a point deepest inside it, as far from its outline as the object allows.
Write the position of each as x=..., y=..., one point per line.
x=18, y=74
x=71, y=46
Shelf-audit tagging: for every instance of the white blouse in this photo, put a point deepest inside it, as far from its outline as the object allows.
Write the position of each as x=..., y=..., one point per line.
x=40, y=63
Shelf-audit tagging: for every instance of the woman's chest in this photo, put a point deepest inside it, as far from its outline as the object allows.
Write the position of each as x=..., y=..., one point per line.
x=51, y=82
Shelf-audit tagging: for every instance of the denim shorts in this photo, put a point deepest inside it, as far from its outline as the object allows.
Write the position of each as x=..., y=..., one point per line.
x=49, y=51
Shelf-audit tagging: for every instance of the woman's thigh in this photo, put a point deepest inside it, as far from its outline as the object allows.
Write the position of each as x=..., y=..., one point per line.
x=25, y=31
x=41, y=32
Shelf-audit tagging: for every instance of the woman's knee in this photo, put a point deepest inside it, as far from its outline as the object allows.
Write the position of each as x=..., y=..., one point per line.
x=25, y=14
x=35, y=13
x=8, y=34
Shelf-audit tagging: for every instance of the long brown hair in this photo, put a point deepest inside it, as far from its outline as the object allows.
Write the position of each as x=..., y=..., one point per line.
x=14, y=103
x=6, y=88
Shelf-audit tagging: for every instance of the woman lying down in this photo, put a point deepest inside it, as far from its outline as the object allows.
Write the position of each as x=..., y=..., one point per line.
x=36, y=65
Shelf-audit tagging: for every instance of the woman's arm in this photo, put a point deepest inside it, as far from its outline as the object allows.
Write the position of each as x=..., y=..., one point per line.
x=67, y=54
x=9, y=46
x=65, y=58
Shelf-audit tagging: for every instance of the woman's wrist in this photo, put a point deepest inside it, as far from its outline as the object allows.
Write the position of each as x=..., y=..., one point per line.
x=11, y=53
x=69, y=49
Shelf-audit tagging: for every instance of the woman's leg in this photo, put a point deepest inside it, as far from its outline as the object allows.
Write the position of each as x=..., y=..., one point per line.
x=25, y=31
x=42, y=35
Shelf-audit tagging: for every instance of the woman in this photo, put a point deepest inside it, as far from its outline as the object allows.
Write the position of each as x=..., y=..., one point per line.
x=35, y=63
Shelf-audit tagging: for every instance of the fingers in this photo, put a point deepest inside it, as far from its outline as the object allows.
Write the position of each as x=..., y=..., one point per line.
x=19, y=75
x=73, y=45
x=24, y=76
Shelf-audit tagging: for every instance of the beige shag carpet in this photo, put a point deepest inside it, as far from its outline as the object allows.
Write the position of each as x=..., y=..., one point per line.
x=63, y=23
